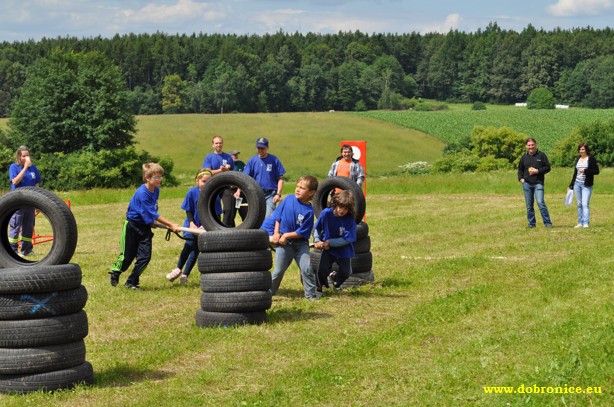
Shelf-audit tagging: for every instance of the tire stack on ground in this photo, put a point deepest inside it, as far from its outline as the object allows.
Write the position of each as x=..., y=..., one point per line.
x=235, y=280
x=42, y=322
x=362, y=262
x=42, y=327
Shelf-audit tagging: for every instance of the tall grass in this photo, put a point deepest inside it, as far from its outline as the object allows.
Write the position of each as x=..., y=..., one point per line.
x=465, y=297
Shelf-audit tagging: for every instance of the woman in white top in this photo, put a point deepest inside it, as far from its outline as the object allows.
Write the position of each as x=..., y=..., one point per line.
x=585, y=169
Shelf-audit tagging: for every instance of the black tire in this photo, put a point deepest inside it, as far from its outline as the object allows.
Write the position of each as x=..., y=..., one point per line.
x=361, y=262
x=362, y=245
x=40, y=279
x=48, y=381
x=60, y=217
x=325, y=187
x=362, y=230
x=28, y=333
x=232, y=240
x=206, y=319
x=42, y=305
x=238, y=281
x=44, y=359
x=246, y=301
x=256, y=209
x=358, y=279
x=222, y=262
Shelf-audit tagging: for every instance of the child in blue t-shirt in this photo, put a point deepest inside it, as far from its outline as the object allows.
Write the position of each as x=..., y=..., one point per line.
x=135, y=241
x=291, y=233
x=334, y=234
x=189, y=253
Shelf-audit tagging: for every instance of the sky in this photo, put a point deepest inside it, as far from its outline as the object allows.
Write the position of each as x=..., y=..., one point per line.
x=23, y=20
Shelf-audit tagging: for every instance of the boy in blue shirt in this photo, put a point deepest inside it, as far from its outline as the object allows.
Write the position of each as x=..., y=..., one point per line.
x=334, y=234
x=291, y=233
x=136, y=235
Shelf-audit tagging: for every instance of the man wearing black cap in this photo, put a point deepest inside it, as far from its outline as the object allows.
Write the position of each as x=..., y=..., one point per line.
x=268, y=172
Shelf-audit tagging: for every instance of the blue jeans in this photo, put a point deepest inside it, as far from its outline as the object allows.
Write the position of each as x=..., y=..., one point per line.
x=270, y=205
x=299, y=251
x=189, y=254
x=535, y=192
x=583, y=198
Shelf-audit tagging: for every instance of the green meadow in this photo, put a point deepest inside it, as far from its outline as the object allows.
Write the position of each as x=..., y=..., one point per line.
x=469, y=307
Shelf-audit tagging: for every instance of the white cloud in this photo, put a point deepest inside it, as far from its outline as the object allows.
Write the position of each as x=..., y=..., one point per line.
x=565, y=8
x=181, y=11
x=451, y=22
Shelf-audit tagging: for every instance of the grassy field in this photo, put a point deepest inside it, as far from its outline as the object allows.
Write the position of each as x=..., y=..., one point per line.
x=465, y=296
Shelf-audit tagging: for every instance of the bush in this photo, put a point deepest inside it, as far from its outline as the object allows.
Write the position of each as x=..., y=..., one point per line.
x=501, y=142
x=103, y=169
x=490, y=163
x=461, y=161
x=417, y=168
x=600, y=137
x=540, y=98
x=478, y=106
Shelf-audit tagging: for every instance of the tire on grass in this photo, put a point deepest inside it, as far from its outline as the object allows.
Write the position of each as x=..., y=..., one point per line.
x=246, y=301
x=325, y=187
x=362, y=245
x=361, y=262
x=48, y=381
x=40, y=279
x=206, y=319
x=362, y=230
x=63, y=225
x=235, y=281
x=42, y=305
x=222, y=262
x=256, y=209
x=358, y=279
x=42, y=359
x=30, y=333
x=232, y=240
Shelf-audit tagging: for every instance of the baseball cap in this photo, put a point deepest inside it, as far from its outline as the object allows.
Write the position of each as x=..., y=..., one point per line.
x=262, y=142
x=233, y=152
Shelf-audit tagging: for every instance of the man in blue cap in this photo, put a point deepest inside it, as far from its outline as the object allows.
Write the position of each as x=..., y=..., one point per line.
x=268, y=172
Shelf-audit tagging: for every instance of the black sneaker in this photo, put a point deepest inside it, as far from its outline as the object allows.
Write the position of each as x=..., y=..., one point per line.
x=114, y=278
x=131, y=286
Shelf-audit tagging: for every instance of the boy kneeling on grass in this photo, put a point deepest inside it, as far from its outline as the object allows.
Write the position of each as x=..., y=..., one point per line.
x=292, y=229
x=136, y=238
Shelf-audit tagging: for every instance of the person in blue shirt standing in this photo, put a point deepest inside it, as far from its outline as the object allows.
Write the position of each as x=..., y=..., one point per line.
x=291, y=233
x=136, y=235
x=268, y=172
x=23, y=173
x=218, y=162
x=335, y=234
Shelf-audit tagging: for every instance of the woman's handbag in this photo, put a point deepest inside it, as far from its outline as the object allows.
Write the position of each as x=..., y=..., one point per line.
x=569, y=197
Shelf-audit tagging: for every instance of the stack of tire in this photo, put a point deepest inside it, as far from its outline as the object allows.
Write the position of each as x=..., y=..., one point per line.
x=42, y=322
x=234, y=263
x=362, y=262
x=235, y=277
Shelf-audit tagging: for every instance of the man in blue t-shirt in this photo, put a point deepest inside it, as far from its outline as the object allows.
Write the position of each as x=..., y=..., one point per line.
x=218, y=162
x=268, y=172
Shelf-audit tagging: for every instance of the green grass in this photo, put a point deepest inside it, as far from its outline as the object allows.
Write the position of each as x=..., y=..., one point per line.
x=465, y=297
x=547, y=126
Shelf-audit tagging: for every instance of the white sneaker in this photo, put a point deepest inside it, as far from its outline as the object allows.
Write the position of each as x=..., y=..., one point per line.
x=172, y=276
x=584, y=226
x=578, y=226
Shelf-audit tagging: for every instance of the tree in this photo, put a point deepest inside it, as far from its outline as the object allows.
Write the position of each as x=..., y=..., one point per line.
x=72, y=101
x=173, y=94
x=12, y=75
x=540, y=98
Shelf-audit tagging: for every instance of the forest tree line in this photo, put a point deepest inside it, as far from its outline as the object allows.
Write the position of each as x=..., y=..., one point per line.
x=283, y=72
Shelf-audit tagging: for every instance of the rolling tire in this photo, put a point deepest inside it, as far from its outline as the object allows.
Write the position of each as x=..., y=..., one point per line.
x=40, y=279
x=42, y=305
x=43, y=359
x=362, y=245
x=232, y=240
x=256, y=209
x=362, y=230
x=29, y=333
x=358, y=279
x=361, y=262
x=60, y=217
x=325, y=187
x=235, y=281
x=48, y=381
x=206, y=319
x=222, y=262
x=246, y=301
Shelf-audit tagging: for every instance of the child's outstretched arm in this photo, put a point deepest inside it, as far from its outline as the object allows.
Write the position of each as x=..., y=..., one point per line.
x=172, y=226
